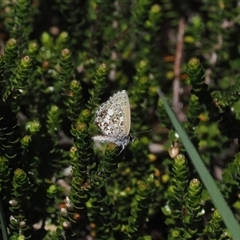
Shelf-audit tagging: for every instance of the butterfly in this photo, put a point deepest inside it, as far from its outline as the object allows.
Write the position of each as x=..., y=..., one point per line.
x=113, y=118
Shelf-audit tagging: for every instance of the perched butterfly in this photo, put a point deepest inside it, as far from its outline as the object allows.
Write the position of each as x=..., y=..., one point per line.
x=114, y=120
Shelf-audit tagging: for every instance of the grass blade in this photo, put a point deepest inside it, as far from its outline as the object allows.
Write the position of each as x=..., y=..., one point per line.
x=215, y=194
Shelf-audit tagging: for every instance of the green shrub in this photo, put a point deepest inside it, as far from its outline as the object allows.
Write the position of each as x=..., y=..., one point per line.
x=60, y=60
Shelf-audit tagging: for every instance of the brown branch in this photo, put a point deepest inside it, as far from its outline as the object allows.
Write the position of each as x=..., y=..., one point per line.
x=177, y=70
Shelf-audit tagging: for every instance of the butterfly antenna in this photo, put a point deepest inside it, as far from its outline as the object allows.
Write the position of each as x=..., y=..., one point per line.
x=143, y=131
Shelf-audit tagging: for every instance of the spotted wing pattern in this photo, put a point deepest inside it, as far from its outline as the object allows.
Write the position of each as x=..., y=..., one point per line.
x=114, y=116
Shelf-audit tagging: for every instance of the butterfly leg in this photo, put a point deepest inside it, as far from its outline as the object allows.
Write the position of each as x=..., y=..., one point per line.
x=123, y=147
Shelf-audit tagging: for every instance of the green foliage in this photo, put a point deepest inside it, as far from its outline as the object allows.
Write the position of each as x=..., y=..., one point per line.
x=60, y=60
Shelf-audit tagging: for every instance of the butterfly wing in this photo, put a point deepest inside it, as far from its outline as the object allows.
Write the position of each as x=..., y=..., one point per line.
x=122, y=99
x=114, y=116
